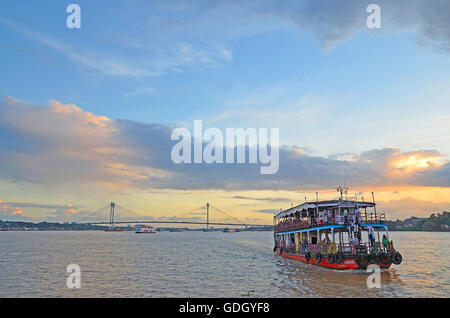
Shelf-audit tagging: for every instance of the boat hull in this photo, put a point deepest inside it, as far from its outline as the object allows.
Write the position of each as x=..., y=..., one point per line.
x=348, y=263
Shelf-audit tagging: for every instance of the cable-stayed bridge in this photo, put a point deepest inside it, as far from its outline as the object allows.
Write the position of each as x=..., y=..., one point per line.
x=205, y=210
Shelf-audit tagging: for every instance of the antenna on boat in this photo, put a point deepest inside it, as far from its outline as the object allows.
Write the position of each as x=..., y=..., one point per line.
x=317, y=196
x=341, y=191
x=374, y=207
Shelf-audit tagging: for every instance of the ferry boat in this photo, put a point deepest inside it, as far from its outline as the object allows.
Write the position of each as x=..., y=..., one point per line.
x=228, y=230
x=114, y=229
x=144, y=229
x=341, y=234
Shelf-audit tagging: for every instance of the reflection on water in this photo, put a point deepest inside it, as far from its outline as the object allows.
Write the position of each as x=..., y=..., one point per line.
x=211, y=264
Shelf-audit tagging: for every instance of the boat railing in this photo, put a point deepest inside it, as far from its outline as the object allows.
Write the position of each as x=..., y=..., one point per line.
x=352, y=248
x=290, y=225
x=373, y=218
x=324, y=248
x=337, y=219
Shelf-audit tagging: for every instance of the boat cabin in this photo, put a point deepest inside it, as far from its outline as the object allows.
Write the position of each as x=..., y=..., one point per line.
x=328, y=227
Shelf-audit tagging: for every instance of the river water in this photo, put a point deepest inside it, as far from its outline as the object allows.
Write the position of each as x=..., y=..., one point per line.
x=205, y=264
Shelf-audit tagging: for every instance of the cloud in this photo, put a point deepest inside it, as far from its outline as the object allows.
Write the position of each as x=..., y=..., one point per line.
x=139, y=59
x=61, y=144
x=240, y=197
x=40, y=205
x=140, y=91
x=17, y=212
x=331, y=22
x=269, y=211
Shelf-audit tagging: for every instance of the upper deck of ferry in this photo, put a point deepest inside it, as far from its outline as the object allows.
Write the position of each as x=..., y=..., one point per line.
x=327, y=213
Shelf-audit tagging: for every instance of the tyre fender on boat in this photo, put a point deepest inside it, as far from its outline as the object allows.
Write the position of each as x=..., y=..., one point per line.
x=307, y=257
x=318, y=258
x=330, y=258
x=384, y=259
x=361, y=260
x=373, y=258
x=397, y=258
x=339, y=258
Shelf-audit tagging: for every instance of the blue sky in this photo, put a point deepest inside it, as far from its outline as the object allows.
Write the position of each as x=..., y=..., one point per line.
x=313, y=69
x=135, y=61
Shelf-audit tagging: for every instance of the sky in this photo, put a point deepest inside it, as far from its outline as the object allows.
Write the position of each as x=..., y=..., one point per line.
x=86, y=114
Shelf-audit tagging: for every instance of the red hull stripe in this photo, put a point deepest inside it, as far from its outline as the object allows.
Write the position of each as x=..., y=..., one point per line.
x=347, y=263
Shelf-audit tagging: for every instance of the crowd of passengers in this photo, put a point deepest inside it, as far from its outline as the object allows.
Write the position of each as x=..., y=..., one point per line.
x=352, y=220
x=326, y=217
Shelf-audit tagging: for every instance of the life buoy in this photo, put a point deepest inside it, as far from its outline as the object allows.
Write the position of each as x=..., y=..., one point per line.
x=361, y=260
x=397, y=258
x=384, y=259
x=338, y=258
x=330, y=258
x=307, y=257
x=318, y=258
x=373, y=258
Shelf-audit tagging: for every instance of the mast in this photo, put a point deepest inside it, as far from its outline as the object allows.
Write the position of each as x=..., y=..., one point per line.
x=317, y=204
x=374, y=207
x=207, y=216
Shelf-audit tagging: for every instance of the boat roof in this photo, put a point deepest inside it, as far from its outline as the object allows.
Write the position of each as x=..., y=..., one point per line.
x=324, y=204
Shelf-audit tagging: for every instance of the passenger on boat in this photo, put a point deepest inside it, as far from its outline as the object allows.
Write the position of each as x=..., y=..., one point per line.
x=357, y=215
x=327, y=239
x=371, y=238
x=345, y=216
x=385, y=242
x=353, y=245
x=326, y=242
x=359, y=235
x=306, y=245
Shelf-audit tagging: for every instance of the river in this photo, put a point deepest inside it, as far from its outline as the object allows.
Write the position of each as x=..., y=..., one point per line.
x=205, y=264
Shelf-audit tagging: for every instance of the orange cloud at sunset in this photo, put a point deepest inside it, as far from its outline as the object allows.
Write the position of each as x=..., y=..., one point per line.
x=17, y=212
x=416, y=161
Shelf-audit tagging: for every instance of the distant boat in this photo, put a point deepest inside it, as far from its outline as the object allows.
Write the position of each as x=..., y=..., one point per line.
x=227, y=230
x=144, y=229
x=115, y=229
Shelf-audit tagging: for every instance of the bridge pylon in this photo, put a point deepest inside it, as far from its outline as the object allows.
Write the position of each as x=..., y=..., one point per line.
x=111, y=215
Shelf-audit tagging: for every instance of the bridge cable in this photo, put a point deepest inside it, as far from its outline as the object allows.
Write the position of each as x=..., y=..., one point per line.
x=232, y=217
